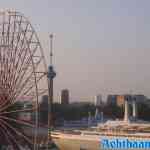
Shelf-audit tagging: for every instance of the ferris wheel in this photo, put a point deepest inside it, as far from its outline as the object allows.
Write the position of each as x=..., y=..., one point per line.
x=23, y=80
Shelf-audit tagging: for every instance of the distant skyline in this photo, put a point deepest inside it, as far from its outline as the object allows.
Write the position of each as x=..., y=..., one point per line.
x=100, y=46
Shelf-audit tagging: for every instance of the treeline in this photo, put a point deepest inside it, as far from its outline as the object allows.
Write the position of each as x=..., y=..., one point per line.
x=114, y=111
x=68, y=112
x=79, y=111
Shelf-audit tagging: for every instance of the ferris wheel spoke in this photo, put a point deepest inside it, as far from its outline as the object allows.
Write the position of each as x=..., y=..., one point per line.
x=18, y=121
x=16, y=48
x=26, y=81
x=29, y=77
x=17, y=111
x=28, y=60
x=17, y=78
x=27, y=64
x=32, y=50
x=38, y=79
x=23, y=70
x=4, y=105
x=20, y=63
x=22, y=43
x=18, y=34
x=5, y=134
x=10, y=136
x=3, y=64
x=7, y=43
x=17, y=132
x=8, y=29
x=20, y=67
x=13, y=33
x=12, y=77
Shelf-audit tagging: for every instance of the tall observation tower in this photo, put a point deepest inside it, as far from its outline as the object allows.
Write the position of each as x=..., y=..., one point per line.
x=51, y=76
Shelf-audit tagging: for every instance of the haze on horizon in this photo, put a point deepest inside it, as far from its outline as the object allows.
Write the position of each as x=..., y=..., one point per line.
x=100, y=46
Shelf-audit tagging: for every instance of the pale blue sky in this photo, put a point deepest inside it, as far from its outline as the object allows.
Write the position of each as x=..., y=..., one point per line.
x=101, y=46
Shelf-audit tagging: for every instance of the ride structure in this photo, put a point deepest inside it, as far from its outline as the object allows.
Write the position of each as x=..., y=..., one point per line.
x=23, y=80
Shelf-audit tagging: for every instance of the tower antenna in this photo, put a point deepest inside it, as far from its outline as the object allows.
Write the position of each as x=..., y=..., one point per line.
x=51, y=49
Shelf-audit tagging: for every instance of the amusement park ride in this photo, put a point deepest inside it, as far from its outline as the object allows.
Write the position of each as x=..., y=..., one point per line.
x=23, y=78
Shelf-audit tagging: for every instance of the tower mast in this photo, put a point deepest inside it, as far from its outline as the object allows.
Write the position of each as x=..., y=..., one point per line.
x=51, y=49
x=51, y=76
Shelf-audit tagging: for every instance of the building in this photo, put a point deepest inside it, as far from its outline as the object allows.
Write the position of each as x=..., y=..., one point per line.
x=111, y=99
x=120, y=100
x=98, y=100
x=64, y=97
x=138, y=98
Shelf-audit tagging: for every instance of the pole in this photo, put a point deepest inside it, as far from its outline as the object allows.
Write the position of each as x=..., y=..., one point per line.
x=51, y=75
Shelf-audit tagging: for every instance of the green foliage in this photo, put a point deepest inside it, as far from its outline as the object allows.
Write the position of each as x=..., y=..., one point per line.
x=67, y=112
x=144, y=111
x=113, y=111
x=72, y=111
x=77, y=111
